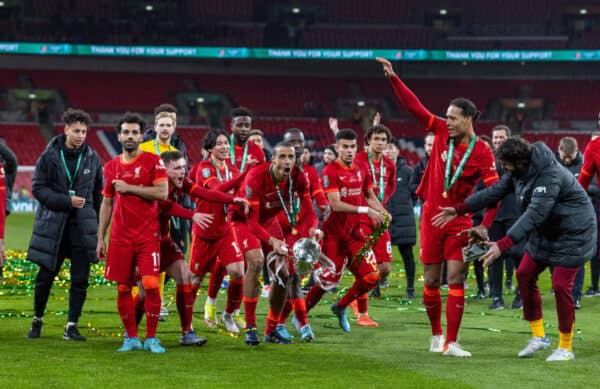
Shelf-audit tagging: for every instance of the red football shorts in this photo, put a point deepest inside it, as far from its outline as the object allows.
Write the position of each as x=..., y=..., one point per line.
x=341, y=250
x=439, y=244
x=169, y=253
x=204, y=252
x=383, y=247
x=248, y=241
x=126, y=262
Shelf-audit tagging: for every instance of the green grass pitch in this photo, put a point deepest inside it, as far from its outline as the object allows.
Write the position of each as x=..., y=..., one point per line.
x=392, y=356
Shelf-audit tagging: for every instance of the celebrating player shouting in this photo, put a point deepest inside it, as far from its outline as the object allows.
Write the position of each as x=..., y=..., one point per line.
x=172, y=259
x=349, y=189
x=459, y=160
x=295, y=138
x=271, y=189
x=133, y=183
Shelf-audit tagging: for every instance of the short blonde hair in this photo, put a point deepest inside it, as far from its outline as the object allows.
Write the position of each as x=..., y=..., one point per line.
x=170, y=115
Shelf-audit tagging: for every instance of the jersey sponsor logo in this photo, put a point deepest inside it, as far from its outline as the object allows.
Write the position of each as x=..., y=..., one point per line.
x=206, y=172
x=540, y=189
x=326, y=181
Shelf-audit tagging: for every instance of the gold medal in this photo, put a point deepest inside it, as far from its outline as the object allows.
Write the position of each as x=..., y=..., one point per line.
x=445, y=195
x=294, y=231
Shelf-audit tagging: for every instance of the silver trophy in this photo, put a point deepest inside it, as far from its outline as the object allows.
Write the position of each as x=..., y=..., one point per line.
x=306, y=252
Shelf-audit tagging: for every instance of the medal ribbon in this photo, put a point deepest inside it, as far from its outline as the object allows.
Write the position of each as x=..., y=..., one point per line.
x=449, y=182
x=232, y=154
x=381, y=180
x=68, y=173
x=220, y=178
x=294, y=209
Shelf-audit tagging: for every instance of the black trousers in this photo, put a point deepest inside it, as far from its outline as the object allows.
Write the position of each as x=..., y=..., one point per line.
x=80, y=273
x=406, y=251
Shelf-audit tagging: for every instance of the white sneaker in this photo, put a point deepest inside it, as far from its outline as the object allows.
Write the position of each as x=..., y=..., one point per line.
x=534, y=344
x=164, y=311
x=436, y=345
x=265, y=291
x=560, y=354
x=455, y=350
x=229, y=323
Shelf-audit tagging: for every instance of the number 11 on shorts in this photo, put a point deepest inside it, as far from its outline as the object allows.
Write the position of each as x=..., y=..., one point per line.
x=156, y=261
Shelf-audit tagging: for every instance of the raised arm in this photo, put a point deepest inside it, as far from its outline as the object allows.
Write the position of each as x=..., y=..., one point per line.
x=408, y=99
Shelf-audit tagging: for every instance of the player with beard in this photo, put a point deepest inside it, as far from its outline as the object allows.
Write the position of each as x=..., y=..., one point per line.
x=134, y=182
x=383, y=173
x=295, y=138
x=215, y=249
x=243, y=154
x=349, y=189
x=271, y=188
x=459, y=160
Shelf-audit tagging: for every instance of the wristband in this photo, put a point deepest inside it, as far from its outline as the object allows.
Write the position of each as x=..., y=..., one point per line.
x=363, y=210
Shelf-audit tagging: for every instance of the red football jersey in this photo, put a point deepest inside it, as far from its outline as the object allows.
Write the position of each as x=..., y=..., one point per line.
x=314, y=184
x=351, y=183
x=591, y=163
x=255, y=156
x=134, y=219
x=259, y=189
x=481, y=165
x=207, y=177
x=389, y=175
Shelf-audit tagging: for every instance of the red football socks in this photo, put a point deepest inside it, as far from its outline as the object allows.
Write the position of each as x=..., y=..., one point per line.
x=234, y=295
x=455, y=305
x=433, y=305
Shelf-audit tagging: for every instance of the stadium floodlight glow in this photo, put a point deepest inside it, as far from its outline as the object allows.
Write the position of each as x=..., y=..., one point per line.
x=149, y=7
x=520, y=104
x=360, y=103
x=200, y=100
x=32, y=96
x=296, y=10
x=1, y=3
x=443, y=11
x=583, y=11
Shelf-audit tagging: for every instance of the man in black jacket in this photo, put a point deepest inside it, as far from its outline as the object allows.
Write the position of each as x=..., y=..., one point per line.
x=508, y=213
x=559, y=225
x=569, y=156
x=402, y=228
x=67, y=181
x=419, y=169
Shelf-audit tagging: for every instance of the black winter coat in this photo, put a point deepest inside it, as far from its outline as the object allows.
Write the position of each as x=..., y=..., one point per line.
x=417, y=176
x=50, y=187
x=557, y=218
x=400, y=206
